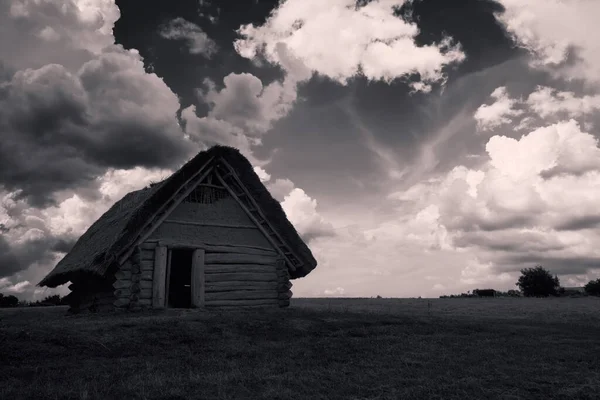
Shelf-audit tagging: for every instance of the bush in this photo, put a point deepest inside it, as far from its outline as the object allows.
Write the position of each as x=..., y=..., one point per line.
x=8, y=301
x=593, y=288
x=537, y=282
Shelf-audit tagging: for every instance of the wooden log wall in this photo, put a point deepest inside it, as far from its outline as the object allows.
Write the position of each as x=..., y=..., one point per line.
x=147, y=256
x=284, y=294
x=133, y=282
x=236, y=276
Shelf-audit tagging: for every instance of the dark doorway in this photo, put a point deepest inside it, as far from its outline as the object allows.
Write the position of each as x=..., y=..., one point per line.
x=180, y=279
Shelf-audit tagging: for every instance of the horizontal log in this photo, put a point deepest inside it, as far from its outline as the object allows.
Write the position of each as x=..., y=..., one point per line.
x=285, y=295
x=148, y=245
x=239, y=285
x=241, y=303
x=126, y=266
x=123, y=275
x=241, y=276
x=147, y=255
x=203, y=223
x=147, y=266
x=136, y=256
x=242, y=295
x=146, y=275
x=143, y=293
x=225, y=268
x=237, y=258
x=145, y=284
x=284, y=286
x=145, y=302
x=136, y=278
x=135, y=287
x=120, y=284
x=220, y=248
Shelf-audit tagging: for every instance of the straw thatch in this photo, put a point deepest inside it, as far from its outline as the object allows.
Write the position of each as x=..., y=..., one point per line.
x=96, y=251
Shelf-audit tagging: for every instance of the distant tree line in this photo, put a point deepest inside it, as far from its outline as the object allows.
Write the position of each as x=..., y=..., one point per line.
x=13, y=301
x=536, y=282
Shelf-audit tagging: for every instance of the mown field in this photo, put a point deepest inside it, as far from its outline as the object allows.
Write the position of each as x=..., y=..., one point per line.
x=505, y=348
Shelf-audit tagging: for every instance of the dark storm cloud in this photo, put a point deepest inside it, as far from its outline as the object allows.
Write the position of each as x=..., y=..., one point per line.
x=9, y=263
x=18, y=257
x=580, y=223
x=61, y=130
x=509, y=242
x=560, y=265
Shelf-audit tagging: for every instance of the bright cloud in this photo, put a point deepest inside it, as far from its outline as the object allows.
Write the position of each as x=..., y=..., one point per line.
x=548, y=102
x=316, y=33
x=500, y=112
x=559, y=33
x=533, y=201
x=197, y=40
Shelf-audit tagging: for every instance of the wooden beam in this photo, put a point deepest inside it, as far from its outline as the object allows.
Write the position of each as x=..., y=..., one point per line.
x=197, y=223
x=126, y=292
x=150, y=225
x=160, y=273
x=225, y=268
x=211, y=185
x=219, y=248
x=123, y=275
x=242, y=295
x=235, y=258
x=122, y=283
x=253, y=202
x=198, y=278
x=168, y=277
x=238, y=285
x=242, y=303
x=241, y=276
x=262, y=229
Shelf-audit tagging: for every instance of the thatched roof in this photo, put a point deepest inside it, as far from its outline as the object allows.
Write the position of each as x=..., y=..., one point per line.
x=97, y=249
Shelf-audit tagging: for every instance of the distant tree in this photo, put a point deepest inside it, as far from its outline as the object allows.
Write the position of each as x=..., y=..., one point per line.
x=54, y=300
x=8, y=301
x=513, y=293
x=593, y=288
x=484, y=292
x=538, y=282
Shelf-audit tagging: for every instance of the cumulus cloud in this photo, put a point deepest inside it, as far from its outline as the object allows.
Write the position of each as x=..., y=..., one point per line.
x=262, y=174
x=66, y=119
x=81, y=122
x=560, y=34
x=55, y=31
x=498, y=113
x=301, y=210
x=548, y=102
x=240, y=113
x=279, y=188
x=35, y=239
x=379, y=46
x=197, y=40
x=533, y=201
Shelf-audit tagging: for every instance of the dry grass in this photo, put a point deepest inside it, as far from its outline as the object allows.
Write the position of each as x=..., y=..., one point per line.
x=317, y=349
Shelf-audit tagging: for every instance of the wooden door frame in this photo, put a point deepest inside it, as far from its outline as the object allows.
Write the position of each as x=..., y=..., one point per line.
x=197, y=281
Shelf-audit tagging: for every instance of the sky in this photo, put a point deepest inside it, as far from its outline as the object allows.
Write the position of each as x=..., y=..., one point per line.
x=420, y=148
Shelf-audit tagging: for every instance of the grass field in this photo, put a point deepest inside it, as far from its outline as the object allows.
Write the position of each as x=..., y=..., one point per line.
x=505, y=348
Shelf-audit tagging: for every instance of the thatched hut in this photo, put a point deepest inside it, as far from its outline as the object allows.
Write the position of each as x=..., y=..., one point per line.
x=210, y=235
